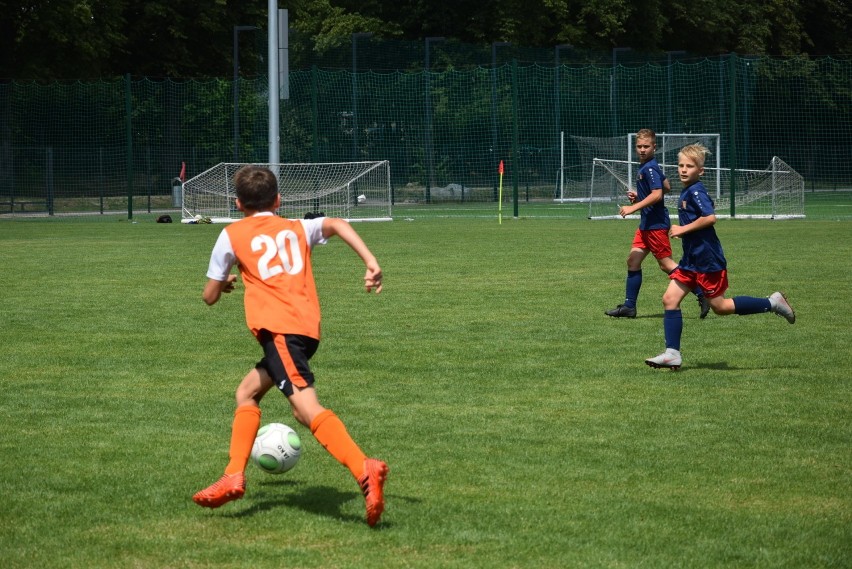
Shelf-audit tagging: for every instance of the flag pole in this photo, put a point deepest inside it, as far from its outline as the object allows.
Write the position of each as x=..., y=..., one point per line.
x=500, y=204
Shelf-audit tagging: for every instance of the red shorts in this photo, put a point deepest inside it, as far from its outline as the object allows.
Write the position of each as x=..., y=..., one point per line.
x=655, y=240
x=713, y=284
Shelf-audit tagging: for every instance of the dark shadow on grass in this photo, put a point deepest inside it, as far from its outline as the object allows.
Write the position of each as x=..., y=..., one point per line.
x=715, y=366
x=659, y=316
x=319, y=500
x=719, y=366
x=637, y=317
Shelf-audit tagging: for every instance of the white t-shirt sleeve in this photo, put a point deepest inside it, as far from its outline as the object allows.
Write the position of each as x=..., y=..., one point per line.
x=222, y=259
x=313, y=231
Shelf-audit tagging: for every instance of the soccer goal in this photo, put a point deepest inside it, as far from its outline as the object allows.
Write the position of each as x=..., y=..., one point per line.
x=775, y=192
x=623, y=149
x=355, y=191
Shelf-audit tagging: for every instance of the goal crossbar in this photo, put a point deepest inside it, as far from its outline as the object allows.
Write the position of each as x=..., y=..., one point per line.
x=355, y=191
x=776, y=192
x=584, y=149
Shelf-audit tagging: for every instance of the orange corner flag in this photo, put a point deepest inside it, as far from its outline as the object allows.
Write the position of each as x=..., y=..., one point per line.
x=500, y=168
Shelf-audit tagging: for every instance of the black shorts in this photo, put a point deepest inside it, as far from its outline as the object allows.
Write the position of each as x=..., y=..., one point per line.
x=285, y=359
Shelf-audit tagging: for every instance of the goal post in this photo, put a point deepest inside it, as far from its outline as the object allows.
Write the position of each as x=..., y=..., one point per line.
x=668, y=146
x=775, y=192
x=623, y=148
x=355, y=191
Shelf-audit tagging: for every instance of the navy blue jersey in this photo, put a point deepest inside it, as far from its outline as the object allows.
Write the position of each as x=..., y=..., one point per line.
x=651, y=178
x=702, y=250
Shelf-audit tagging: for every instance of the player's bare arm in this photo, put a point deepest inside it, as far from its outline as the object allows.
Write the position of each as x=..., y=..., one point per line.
x=655, y=196
x=213, y=289
x=702, y=222
x=373, y=276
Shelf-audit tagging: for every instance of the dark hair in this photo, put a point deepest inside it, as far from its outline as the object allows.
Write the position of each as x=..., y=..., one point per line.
x=256, y=187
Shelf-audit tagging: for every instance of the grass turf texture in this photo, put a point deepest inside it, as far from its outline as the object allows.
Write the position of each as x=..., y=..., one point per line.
x=521, y=426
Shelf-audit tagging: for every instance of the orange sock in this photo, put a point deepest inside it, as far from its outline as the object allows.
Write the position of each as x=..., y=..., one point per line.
x=330, y=431
x=243, y=433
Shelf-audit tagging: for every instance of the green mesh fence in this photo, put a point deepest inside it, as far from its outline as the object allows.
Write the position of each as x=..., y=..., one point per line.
x=116, y=146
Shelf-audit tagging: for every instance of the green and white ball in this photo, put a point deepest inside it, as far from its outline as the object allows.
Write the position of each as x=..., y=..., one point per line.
x=276, y=449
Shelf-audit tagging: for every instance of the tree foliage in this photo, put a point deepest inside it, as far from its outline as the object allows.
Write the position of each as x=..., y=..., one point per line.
x=80, y=39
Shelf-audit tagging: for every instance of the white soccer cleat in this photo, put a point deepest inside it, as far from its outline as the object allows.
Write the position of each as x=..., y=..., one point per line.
x=670, y=359
x=780, y=306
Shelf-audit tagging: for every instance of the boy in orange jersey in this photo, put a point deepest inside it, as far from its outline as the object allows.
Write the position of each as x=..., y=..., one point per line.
x=282, y=311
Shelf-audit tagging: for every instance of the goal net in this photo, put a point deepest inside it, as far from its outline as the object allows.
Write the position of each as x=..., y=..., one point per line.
x=623, y=148
x=776, y=192
x=355, y=191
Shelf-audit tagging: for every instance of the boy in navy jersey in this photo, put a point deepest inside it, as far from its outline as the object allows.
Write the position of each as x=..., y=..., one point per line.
x=652, y=236
x=703, y=263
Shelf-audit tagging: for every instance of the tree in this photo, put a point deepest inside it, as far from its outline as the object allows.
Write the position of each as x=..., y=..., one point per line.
x=333, y=26
x=183, y=38
x=86, y=39
x=82, y=39
x=59, y=39
x=765, y=27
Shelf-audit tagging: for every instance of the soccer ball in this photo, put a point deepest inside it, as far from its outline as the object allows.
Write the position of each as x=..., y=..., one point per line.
x=362, y=199
x=276, y=449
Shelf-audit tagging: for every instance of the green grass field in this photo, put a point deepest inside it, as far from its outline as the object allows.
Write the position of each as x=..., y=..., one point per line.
x=520, y=424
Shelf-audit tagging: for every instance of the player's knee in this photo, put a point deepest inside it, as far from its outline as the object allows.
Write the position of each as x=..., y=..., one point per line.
x=305, y=414
x=248, y=392
x=721, y=307
x=301, y=417
x=635, y=258
x=244, y=397
x=670, y=301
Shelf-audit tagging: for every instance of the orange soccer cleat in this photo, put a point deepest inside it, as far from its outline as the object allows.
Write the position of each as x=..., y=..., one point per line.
x=229, y=487
x=372, y=484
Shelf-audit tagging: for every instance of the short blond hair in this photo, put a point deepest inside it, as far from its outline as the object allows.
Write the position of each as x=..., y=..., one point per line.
x=647, y=133
x=696, y=152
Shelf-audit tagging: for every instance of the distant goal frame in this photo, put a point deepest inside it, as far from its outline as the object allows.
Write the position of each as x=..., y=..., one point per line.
x=757, y=202
x=624, y=148
x=354, y=191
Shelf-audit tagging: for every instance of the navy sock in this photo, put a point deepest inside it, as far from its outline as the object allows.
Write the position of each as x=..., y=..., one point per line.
x=673, y=327
x=634, y=283
x=698, y=292
x=744, y=305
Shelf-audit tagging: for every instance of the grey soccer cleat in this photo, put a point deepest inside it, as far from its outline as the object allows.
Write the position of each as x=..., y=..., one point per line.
x=622, y=311
x=670, y=359
x=781, y=307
